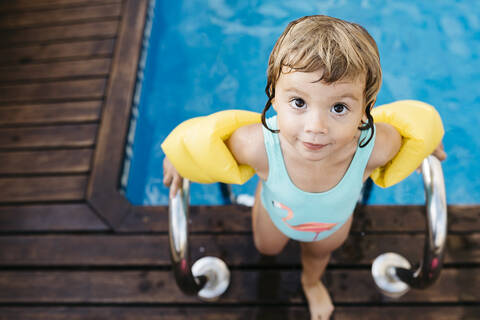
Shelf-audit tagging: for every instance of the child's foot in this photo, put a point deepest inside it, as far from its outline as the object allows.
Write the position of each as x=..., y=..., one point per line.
x=319, y=301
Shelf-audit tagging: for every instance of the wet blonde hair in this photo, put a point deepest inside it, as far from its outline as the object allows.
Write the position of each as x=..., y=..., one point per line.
x=341, y=50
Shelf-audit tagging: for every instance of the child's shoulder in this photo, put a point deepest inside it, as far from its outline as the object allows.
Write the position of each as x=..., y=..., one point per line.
x=387, y=144
x=247, y=146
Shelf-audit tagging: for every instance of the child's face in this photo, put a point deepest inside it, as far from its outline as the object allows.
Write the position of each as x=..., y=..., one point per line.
x=316, y=119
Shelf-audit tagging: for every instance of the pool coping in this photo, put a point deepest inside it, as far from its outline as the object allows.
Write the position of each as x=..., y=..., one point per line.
x=103, y=192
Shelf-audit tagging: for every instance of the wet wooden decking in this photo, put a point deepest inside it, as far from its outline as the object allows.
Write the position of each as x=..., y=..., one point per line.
x=72, y=247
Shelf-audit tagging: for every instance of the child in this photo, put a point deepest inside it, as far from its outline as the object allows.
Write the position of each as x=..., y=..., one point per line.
x=323, y=78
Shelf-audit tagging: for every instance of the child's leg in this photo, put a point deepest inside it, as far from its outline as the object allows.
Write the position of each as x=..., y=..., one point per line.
x=315, y=257
x=268, y=239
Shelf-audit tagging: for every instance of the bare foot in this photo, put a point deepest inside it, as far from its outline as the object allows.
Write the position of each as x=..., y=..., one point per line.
x=319, y=301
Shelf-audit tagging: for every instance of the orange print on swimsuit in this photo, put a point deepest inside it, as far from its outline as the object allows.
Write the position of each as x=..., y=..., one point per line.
x=316, y=227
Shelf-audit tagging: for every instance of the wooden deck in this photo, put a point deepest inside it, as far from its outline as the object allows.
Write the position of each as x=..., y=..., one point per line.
x=72, y=247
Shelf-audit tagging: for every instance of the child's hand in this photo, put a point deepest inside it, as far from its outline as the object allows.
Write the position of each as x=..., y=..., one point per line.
x=171, y=177
x=439, y=152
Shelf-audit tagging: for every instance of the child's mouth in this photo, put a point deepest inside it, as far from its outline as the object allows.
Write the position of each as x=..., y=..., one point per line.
x=313, y=146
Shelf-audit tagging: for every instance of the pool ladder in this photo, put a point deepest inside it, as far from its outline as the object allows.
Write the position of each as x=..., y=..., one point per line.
x=392, y=273
x=209, y=277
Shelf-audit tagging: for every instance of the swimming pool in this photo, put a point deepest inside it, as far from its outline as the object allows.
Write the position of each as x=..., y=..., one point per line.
x=205, y=56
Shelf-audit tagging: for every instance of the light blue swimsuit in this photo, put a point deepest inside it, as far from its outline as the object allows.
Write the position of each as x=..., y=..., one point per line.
x=307, y=216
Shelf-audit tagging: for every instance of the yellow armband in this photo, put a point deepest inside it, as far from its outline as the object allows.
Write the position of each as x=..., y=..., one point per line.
x=421, y=129
x=197, y=147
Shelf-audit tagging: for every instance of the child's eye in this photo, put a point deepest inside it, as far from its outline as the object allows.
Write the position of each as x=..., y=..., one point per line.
x=339, y=109
x=297, y=103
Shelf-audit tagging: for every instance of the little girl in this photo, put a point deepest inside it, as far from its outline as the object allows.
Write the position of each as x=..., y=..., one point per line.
x=312, y=157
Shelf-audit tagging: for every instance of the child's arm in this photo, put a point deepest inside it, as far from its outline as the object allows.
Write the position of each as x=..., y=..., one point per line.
x=196, y=149
x=387, y=144
x=247, y=147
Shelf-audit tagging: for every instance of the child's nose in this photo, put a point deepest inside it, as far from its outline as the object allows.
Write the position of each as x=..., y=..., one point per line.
x=316, y=125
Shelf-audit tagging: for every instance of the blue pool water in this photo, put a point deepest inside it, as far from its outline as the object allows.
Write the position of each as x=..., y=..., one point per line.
x=207, y=56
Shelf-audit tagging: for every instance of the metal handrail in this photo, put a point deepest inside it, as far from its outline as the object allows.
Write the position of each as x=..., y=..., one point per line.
x=392, y=273
x=209, y=277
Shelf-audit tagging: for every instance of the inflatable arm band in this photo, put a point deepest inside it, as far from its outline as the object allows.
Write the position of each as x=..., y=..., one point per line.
x=197, y=149
x=421, y=129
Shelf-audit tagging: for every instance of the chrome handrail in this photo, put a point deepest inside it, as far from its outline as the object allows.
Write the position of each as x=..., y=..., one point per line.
x=209, y=277
x=392, y=272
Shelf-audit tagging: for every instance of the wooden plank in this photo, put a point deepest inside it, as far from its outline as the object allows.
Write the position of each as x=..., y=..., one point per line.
x=396, y=218
x=55, y=70
x=235, y=250
x=45, y=162
x=81, y=31
x=252, y=287
x=237, y=312
x=103, y=193
x=76, y=89
x=22, y=5
x=412, y=312
x=59, y=16
x=33, y=53
x=464, y=218
x=64, y=188
x=78, y=250
x=52, y=218
x=366, y=219
x=52, y=113
x=51, y=136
